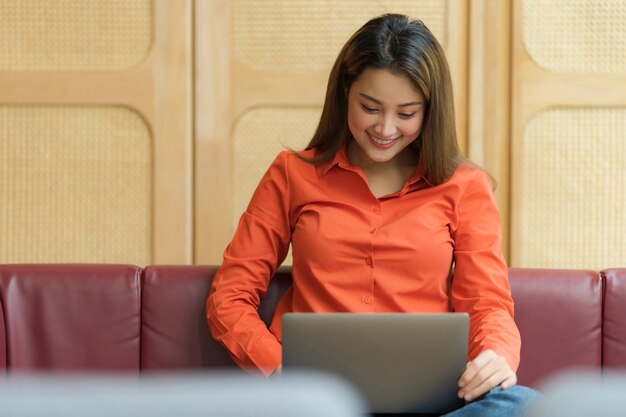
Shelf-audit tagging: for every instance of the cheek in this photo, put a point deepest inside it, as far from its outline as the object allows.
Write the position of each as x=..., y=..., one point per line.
x=413, y=129
x=357, y=121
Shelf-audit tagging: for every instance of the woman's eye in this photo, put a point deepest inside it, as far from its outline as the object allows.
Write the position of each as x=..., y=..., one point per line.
x=369, y=109
x=406, y=115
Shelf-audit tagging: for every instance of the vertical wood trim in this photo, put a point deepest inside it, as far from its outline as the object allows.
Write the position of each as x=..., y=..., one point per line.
x=213, y=125
x=172, y=132
x=517, y=124
x=498, y=107
x=457, y=54
x=490, y=98
x=476, y=118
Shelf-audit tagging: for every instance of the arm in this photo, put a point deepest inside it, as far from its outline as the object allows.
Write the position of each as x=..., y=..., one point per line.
x=480, y=287
x=259, y=245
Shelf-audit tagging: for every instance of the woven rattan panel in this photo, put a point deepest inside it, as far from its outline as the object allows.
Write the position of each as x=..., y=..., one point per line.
x=75, y=35
x=572, y=189
x=75, y=185
x=576, y=36
x=307, y=35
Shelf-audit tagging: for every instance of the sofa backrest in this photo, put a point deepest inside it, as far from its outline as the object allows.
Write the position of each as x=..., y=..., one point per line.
x=174, y=331
x=64, y=317
x=559, y=315
x=122, y=317
x=558, y=312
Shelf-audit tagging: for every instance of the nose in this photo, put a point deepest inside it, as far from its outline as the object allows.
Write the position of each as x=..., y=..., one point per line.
x=385, y=127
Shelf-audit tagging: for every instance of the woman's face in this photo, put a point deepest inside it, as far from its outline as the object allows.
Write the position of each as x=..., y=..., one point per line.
x=385, y=115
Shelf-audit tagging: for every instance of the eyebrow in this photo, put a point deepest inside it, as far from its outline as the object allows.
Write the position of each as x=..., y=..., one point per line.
x=412, y=103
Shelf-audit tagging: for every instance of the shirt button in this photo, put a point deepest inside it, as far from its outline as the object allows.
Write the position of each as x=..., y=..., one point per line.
x=376, y=209
x=367, y=300
x=369, y=261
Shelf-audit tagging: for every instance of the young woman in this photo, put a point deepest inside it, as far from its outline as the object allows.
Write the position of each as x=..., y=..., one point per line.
x=383, y=215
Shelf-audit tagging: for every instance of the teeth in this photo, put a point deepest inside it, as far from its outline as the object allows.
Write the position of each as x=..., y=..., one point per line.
x=382, y=141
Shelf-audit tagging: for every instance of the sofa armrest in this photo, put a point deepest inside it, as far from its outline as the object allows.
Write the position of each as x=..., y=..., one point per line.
x=614, y=323
x=3, y=340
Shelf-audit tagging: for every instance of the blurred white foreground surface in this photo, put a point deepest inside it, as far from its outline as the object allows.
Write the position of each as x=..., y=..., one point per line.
x=178, y=395
x=582, y=395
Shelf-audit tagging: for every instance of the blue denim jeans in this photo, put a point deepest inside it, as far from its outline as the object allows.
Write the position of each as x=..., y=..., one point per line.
x=512, y=402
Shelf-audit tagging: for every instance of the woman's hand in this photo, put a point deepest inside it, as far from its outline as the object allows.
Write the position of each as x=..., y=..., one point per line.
x=485, y=372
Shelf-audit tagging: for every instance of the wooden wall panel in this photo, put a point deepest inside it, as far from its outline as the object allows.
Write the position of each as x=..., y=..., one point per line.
x=154, y=82
x=258, y=62
x=64, y=184
x=568, y=107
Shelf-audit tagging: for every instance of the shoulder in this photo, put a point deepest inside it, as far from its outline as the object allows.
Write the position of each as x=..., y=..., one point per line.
x=292, y=160
x=469, y=175
x=289, y=168
x=289, y=154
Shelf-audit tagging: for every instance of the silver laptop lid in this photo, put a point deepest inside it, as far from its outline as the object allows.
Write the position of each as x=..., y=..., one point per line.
x=401, y=362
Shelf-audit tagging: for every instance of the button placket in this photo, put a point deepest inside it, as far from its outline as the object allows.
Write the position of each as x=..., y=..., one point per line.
x=367, y=297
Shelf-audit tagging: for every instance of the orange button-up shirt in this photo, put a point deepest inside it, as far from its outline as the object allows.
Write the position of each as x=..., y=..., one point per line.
x=354, y=252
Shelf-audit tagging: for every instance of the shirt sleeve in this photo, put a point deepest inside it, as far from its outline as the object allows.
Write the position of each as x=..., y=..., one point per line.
x=259, y=245
x=480, y=284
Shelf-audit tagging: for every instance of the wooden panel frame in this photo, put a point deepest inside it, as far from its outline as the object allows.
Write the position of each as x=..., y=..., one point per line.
x=489, y=98
x=534, y=89
x=225, y=89
x=213, y=125
x=159, y=89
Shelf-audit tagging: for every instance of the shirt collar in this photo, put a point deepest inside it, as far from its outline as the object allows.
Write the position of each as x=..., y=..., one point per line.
x=418, y=174
x=341, y=160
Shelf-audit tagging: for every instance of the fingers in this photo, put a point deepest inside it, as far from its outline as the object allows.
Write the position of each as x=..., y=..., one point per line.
x=509, y=382
x=474, y=391
x=479, y=364
x=485, y=372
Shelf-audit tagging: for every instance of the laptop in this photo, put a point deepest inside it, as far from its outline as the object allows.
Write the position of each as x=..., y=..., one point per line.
x=400, y=362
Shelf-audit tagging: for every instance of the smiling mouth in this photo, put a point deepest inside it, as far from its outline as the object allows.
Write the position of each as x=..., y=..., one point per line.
x=382, y=142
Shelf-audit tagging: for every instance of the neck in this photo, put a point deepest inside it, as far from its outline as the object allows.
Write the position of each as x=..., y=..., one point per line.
x=403, y=161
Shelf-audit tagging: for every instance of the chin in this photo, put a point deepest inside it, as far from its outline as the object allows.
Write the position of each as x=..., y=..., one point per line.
x=380, y=159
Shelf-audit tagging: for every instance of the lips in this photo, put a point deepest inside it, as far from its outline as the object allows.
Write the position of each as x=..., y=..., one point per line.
x=382, y=143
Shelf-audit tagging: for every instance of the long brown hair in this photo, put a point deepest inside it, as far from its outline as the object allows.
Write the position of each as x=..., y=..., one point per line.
x=402, y=46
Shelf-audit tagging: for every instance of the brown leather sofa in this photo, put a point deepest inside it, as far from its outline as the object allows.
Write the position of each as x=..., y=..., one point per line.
x=126, y=318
